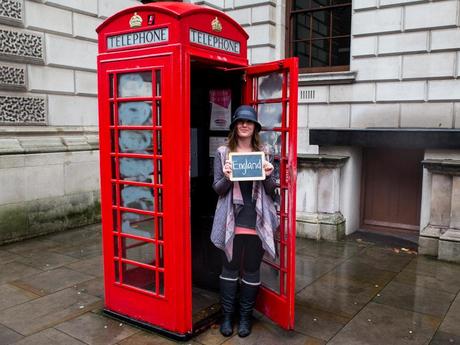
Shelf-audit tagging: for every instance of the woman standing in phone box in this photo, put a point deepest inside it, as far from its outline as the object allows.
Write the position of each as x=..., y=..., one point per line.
x=244, y=222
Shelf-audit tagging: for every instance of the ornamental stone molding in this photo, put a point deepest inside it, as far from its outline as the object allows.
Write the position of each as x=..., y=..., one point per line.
x=12, y=12
x=22, y=110
x=12, y=77
x=21, y=45
x=16, y=140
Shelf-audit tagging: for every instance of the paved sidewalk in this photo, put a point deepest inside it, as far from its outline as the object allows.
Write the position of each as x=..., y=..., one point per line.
x=352, y=292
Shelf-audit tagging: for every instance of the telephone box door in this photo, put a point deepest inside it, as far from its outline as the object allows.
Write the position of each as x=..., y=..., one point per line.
x=272, y=89
x=144, y=270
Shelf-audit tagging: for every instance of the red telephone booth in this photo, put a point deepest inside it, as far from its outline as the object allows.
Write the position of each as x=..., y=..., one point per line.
x=159, y=66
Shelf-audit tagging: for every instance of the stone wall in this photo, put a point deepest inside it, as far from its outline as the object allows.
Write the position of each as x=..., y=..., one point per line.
x=263, y=20
x=49, y=158
x=404, y=56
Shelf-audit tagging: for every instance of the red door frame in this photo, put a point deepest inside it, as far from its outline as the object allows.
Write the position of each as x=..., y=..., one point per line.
x=280, y=306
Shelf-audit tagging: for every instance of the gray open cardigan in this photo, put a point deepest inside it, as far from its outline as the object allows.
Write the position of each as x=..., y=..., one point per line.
x=230, y=203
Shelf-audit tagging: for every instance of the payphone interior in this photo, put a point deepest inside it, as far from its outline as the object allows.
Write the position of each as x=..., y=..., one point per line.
x=205, y=138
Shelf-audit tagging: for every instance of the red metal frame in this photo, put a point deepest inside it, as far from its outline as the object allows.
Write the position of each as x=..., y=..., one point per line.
x=170, y=309
x=279, y=305
x=171, y=301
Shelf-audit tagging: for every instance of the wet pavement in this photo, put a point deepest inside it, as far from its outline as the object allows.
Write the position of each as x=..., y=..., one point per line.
x=351, y=292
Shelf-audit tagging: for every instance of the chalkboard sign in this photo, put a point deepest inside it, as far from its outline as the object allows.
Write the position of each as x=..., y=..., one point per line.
x=247, y=166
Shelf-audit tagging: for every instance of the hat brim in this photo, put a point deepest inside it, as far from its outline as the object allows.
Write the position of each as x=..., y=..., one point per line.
x=258, y=125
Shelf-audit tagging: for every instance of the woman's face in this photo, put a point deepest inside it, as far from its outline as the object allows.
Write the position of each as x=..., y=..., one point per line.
x=245, y=129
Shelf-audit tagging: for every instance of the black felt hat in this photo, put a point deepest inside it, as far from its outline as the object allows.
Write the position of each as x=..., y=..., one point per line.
x=245, y=112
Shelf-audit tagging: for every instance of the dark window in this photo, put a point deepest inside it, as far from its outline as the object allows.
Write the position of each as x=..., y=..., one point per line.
x=319, y=34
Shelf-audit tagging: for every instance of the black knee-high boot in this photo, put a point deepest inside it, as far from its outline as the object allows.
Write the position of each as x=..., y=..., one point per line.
x=227, y=299
x=248, y=294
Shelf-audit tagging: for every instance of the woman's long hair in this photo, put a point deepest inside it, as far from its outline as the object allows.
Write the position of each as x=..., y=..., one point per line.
x=232, y=140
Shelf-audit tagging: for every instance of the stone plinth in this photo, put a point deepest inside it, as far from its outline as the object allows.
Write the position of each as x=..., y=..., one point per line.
x=318, y=197
x=441, y=237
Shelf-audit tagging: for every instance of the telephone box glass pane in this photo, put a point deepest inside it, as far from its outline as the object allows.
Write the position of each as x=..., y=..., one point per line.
x=160, y=228
x=273, y=140
x=138, y=224
x=114, y=221
x=135, y=250
x=158, y=82
x=112, y=114
x=135, y=84
x=115, y=246
x=139, y=277
x=135, y=114
x=140, y=198
x=158, y=110
x=160, y=200
x=135, y=141
x=270, y=115
x=161, y=283
x=270, y=277
x=270, y=86
x=111, y=85
x=136, y=169
x=113, y=141
x=117, y=271
x=114, y=195
x=161, y=256
x=159, y=144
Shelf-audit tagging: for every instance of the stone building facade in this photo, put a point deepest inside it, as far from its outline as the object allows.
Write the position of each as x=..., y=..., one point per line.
x=378, y=142
x=49, y=169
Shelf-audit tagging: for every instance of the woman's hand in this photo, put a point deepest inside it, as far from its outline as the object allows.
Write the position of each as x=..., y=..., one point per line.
x=227, y=169
x=268, y=167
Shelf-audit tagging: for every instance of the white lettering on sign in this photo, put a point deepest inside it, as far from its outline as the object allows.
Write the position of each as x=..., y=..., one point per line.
x=213, y=41
x=138, y=38
x=245, y=166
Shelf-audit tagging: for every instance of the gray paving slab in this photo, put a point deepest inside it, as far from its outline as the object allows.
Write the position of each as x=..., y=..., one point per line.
x=426, y=265
x=16, y=270
x=91, y=266
x=443, y=338
x=94, y=287
x=318, y=323
x=81, y=250
x=49, y=336
x=51, y=281
x=26, y=247
x=11, y=295
x=48, y=311
x=323, y=249
x=451, y=323
x=8, y=336
x=380, y=324
x=364, y=272
x=6, y=256
x=446, y=282
x=91, y=232
x=143, y=338
x=337, y=294
x=96, y=330
x=266, y=333
x=384, y=258
x=45, y=260
x=415, y=298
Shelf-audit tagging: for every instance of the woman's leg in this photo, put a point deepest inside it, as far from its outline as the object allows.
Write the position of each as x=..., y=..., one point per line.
x=252, y=258
x=229, y=285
